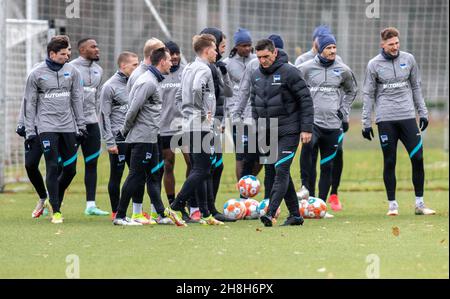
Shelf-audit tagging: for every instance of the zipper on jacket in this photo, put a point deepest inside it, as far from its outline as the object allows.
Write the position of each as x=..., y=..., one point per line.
x=393, y=66
x=326, y=70
x=90, y=79
x=57, y=78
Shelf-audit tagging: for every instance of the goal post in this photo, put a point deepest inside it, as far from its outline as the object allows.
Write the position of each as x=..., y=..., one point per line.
x=23, y=44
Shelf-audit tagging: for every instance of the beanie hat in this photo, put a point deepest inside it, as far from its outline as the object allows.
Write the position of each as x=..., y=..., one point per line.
x=173, y=47
x=242, y=36
x=215, y=32
x=325, y=40
x=277, y=41
x=321, y=30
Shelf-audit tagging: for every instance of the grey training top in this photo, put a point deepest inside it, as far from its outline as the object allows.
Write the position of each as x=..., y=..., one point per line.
x=236, y=67
x=113, y=107
x=171, y=117
x=243, y=109
x=142, y=119
x=53, y=99
x=325, y=84
x=305, y=57
x=394, y=86
x=196, y=98
x=92, y=74
x=142, y=68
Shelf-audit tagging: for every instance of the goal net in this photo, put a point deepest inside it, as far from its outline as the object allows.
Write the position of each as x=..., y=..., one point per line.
x=25, y=46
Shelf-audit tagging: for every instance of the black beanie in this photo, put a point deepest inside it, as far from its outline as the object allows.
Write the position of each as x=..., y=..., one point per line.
x=215, y=32
x=173, y=47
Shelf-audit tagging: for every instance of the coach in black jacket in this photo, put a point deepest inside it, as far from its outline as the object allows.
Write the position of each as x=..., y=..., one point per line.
x=278, y=91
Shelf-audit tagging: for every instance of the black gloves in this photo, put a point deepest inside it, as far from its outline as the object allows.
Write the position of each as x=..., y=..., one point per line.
x=367, y=132
x=222, y=66
x=120, y=137
x=20, y=130
x=345, y=126
x=82, y=135
x=29, y=141
x=423, y=123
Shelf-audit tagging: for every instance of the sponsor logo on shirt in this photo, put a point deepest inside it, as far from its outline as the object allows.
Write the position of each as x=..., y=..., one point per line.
x=170, y=85
x=57, y=95
x=90, y=89
x=395, y=85
x=323, y=89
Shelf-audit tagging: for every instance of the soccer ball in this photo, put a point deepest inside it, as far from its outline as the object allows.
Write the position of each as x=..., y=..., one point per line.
x=264, y=206
x=234, y=209
x=249, y=186
x=251, y=209
x=314, y=208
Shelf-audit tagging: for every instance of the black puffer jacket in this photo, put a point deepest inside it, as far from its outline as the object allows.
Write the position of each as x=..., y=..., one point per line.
x=280, y=92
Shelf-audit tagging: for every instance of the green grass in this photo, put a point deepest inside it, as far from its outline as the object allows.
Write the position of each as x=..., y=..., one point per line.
x=332, y=248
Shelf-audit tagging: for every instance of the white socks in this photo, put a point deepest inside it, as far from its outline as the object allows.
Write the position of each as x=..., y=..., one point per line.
x=419, y=202
x=152, y=207
x=137, y=208
x=393, y=205
x=90, y=204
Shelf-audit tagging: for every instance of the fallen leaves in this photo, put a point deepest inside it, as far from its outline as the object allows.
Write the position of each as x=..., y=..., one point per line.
x=395, y=231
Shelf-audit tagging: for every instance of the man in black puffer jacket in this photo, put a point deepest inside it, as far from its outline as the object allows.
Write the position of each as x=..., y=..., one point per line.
x=279, y=92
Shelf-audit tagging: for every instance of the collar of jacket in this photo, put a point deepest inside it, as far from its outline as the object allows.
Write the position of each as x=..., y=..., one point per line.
x=54, y=66
x=242, y=58
x=156, y=72
x=199, y=59
x=122, y=76
x=389, y=56
x=323, y=61
x=85, y=62
x=281, y=59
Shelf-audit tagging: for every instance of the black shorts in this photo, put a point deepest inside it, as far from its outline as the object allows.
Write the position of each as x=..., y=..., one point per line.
x=165, y=141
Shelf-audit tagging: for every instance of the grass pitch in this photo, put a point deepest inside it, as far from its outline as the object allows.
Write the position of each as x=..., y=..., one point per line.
x=358, y=242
